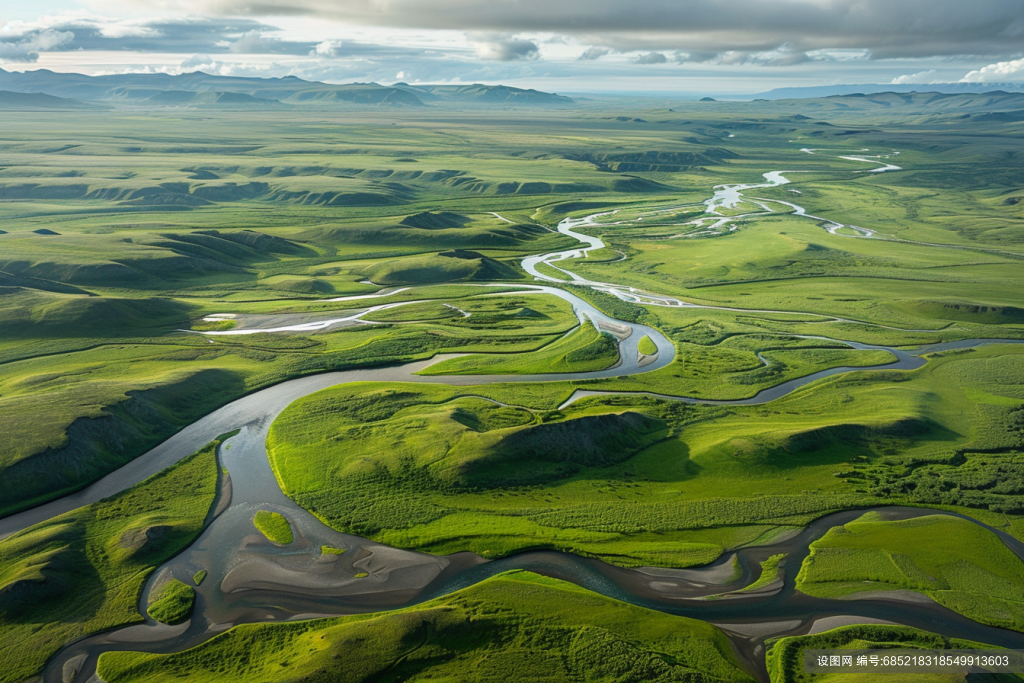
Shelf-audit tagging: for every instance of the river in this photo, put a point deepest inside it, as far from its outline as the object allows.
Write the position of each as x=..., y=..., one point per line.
x=252, y=580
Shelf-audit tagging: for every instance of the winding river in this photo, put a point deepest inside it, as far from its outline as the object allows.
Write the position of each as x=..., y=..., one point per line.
x=252, y=580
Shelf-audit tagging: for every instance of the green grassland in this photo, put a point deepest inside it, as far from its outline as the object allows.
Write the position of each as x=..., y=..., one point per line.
x=446, y=266
x=584, y=349
x=172, y=602
x=274, y=526
x=637, y=481
x=785, y=656
x=520, y=312
x=646, y=346
x=785, y=263
x=769, y=574
x=977, y=575
x=117, y=239
x=110, y=401
x=720, y=357
x=122, y=231
x=517, y=626
x=83, y=572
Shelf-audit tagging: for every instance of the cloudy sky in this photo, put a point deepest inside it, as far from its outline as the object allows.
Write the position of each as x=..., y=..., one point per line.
x=670, y=46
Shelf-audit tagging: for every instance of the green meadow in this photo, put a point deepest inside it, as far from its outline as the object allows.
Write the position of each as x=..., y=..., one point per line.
x=274, y=526
x=111, y=400
x=83, y=572
x=172, y=602
x=784, y=263
x=646, y=346
x=769, y=574
x=517, y=626
x=785, y=656
x=977, y=575
x=116, y=241
x=638, y=481
x=581, y=350
x=718, y=358
x=124, y=235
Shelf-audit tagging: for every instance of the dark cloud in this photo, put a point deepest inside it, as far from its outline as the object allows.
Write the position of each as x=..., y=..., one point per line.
x=199, y=35
x=503, y=48
x=184, y=35
x=694, y=56
x=784, y=55
x=592, y=53
x=888, y=28
x=27, y=48
x=651, y=58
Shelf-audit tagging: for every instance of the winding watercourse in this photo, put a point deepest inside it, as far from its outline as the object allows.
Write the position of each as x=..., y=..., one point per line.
x=251, y=579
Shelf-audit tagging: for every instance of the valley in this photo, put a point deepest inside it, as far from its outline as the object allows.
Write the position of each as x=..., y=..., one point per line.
x=510, y=372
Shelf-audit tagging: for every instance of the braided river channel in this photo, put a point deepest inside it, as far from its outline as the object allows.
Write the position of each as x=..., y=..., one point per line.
x=252, y=580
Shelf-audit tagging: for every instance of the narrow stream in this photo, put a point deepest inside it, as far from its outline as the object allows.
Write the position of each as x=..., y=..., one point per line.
x=251, y=579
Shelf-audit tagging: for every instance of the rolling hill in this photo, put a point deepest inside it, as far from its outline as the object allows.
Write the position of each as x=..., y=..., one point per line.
x=14, y=101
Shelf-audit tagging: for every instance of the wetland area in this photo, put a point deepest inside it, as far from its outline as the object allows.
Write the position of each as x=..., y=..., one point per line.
x=329, y=409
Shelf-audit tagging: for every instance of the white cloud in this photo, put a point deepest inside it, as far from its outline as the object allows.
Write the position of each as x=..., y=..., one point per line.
x=328, y=48
x=584, y=52
x=28, y=48
x=215, y=67
x=252, y=42
x=126, y=29
x=503, y=47
x=196, y=63
x=50, y=39
x=839, y=55
x=923, y=77
x=1000, y=71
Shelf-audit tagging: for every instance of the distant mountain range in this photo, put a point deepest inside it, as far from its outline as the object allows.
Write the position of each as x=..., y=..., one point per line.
x=988, y=107
x=867, y=89
x=44, y=89
x=199, y=89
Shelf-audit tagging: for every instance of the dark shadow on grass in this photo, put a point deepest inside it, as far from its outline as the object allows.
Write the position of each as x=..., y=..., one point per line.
x=836, y=444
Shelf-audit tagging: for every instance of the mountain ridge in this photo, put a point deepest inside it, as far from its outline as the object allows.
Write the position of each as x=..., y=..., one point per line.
x=173, y=90
x=815, y=91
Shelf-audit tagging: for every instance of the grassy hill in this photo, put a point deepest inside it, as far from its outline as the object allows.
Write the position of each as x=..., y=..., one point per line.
x=581, y=351
x=82, y=572
x=424, y=467
x=19, y=101
x=115, y=236
x=517, y=624
x=479, y=94
x=447, y=266
x=124, y=380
